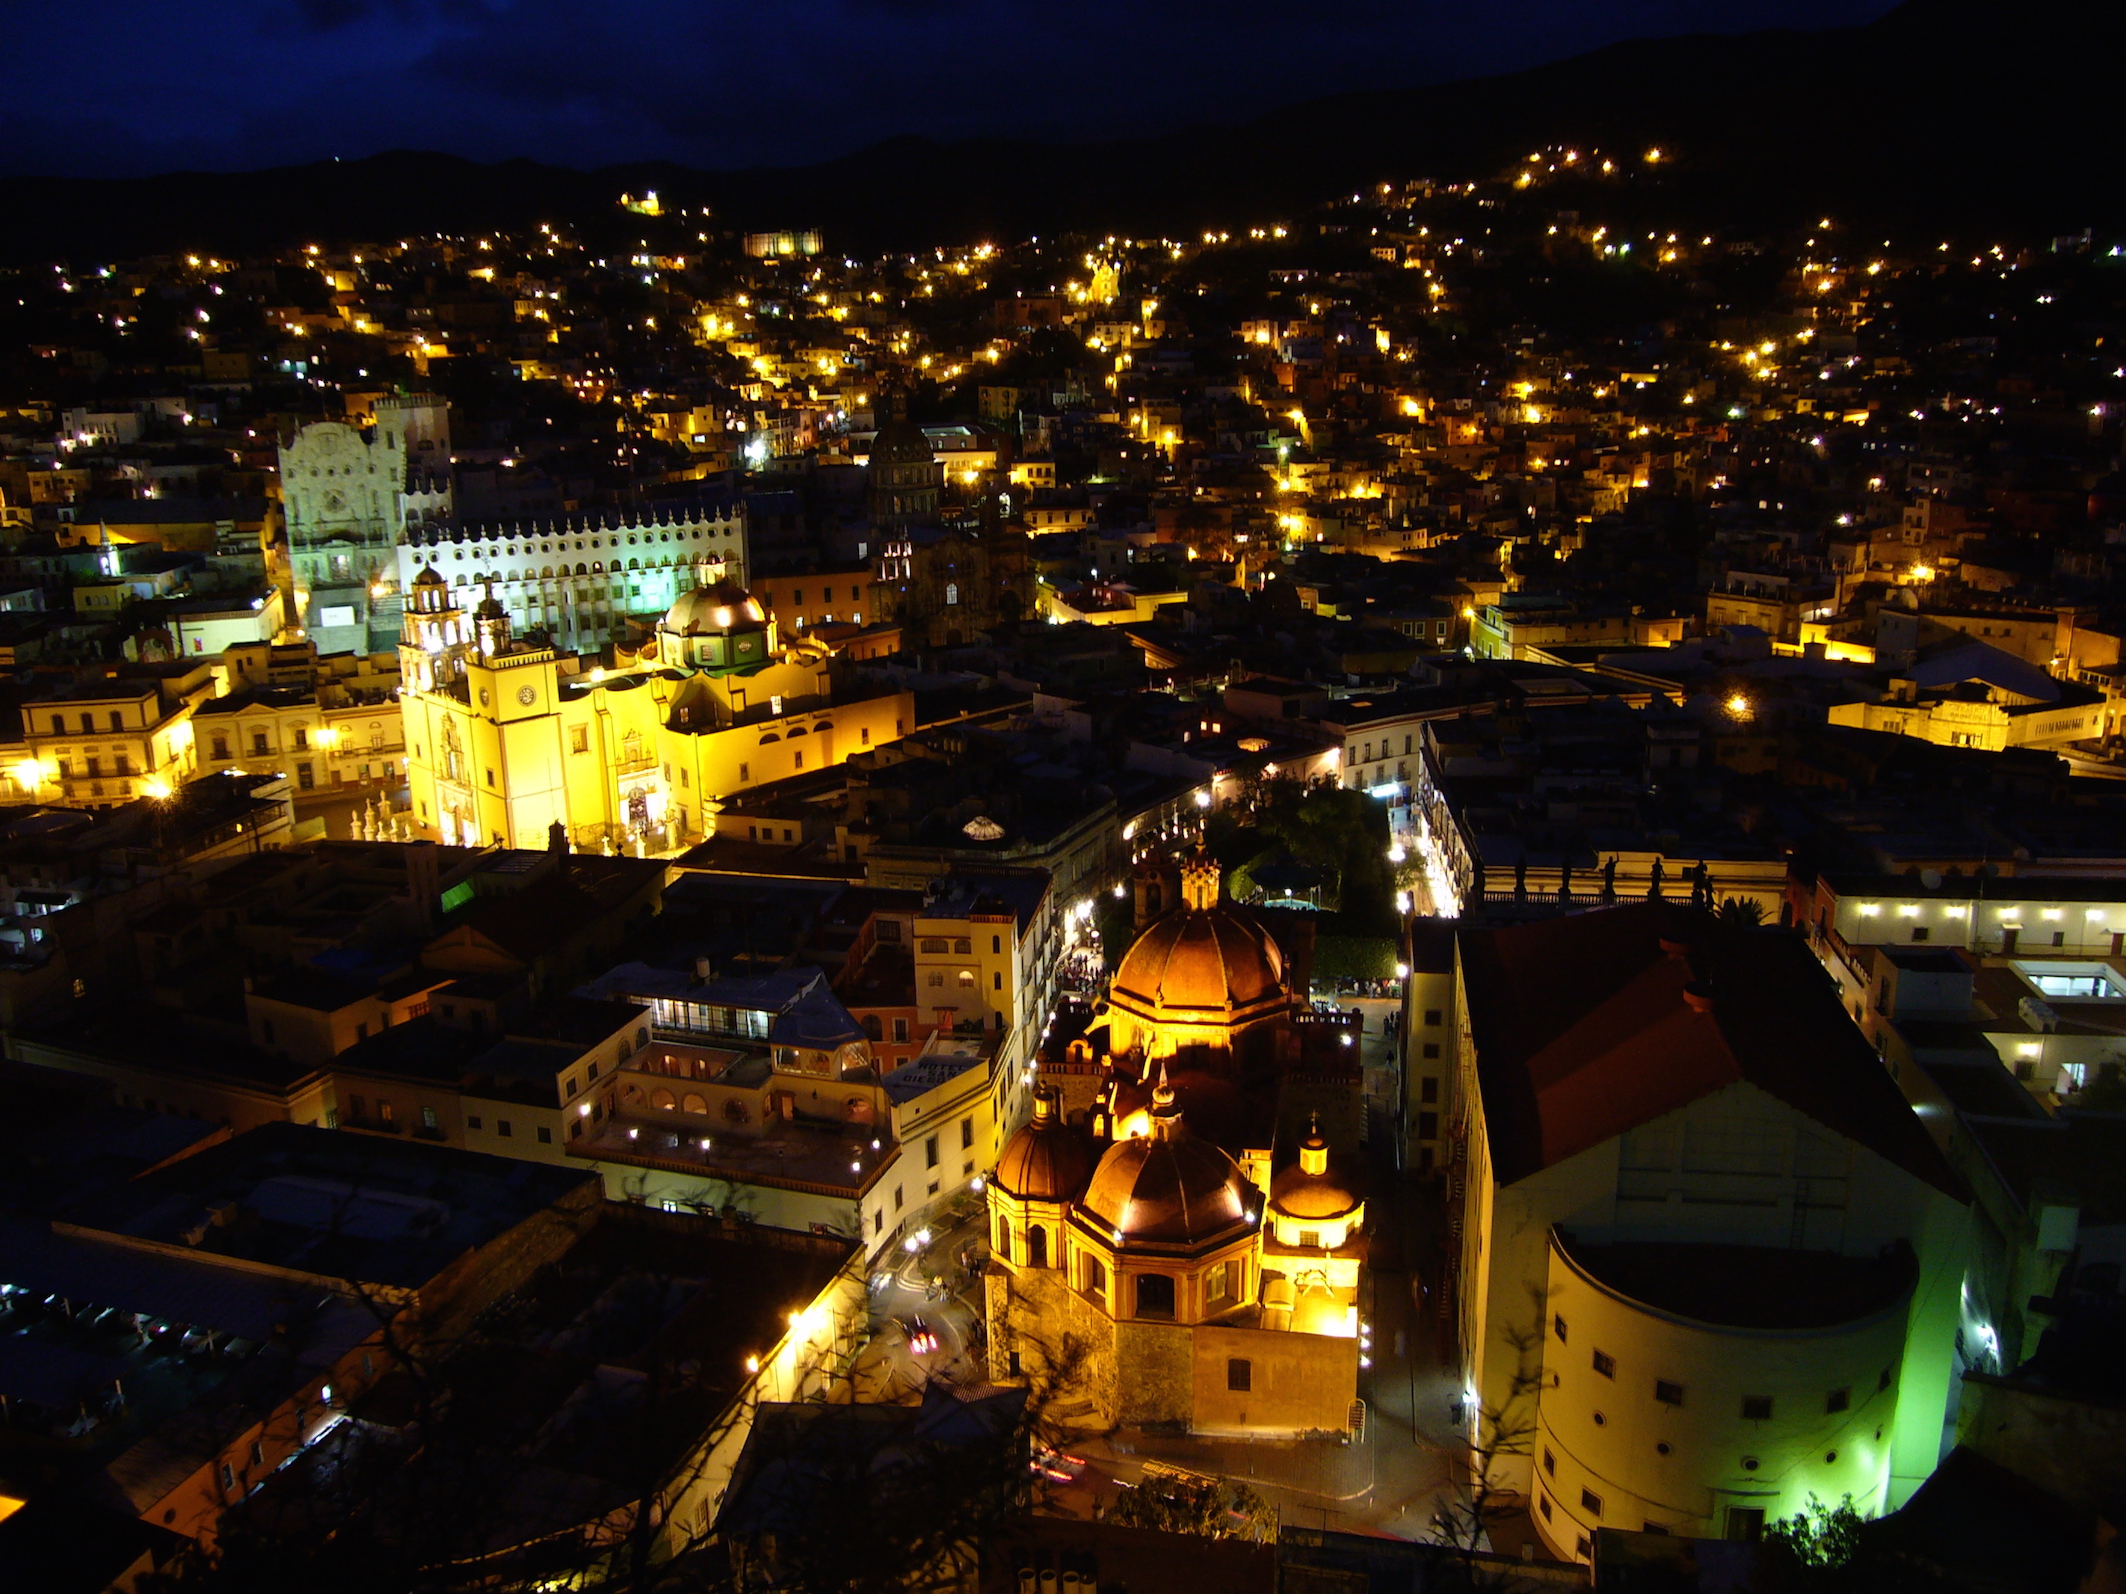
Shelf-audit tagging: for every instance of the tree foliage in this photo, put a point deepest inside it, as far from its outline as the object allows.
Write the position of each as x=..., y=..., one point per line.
x=1211, y=1508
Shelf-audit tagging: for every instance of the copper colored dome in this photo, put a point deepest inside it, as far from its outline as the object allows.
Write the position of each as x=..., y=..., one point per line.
x=1047, y=1160
x=1168, y=1188
x=1173, y=1190
x=1207, y=964
x=1310, y=1189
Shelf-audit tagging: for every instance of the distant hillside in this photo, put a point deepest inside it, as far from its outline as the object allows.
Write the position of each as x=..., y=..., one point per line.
x=1951, y=113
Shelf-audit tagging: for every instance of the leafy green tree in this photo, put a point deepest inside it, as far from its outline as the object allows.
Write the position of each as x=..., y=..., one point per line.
x=1832, y=1549
x=1211, y=1508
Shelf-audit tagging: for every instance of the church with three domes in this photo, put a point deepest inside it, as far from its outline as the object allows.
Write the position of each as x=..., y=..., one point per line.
x=1178, y=1236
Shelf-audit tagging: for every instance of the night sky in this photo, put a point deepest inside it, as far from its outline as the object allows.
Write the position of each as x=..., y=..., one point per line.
x=133, y=87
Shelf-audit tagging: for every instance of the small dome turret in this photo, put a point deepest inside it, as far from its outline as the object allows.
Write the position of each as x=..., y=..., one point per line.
x=1308, y=1190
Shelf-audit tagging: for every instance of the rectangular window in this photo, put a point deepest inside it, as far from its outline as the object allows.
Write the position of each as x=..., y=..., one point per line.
x=896, y=1198
x=1667, y=1393
x=1431, y=1051
x=546, y=1136
x=1838, y=1400
x=1432, y=1016
x=1550, y=1462
x=1557, y=1326
x=1155, y=1295
x=302, y=739
x=472, y=1121
x=1239, y=1374
x=571, y=1083
x=930, y=1152
x=1428, y=1091
x=502, y=1128
x=228, y=1477
x=900, y=1029
x=1757, y=1408
x=966, y=1133
x=1590, y=1502
x=1605, y=1364
x=1745, y=1524
x=1542, y=1504
x=1428, y=1126
x=579, y=739
x=428, y=1118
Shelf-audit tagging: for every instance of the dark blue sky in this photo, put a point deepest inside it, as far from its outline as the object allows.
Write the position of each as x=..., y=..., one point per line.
x=130, y=87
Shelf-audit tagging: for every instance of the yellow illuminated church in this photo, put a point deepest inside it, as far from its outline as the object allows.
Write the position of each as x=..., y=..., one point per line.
x=1178, y=1235
x=505, y=739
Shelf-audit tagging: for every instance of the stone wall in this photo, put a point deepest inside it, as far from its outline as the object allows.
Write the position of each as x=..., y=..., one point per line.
x=1034, y=1312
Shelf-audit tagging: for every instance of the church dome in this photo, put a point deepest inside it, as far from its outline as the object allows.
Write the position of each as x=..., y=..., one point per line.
x=900, y=441
x=1206, y=962
x=1309, y=1189
x=1168, y=1188
x=1047, y=1160
x=714, y=609
x=428, y=577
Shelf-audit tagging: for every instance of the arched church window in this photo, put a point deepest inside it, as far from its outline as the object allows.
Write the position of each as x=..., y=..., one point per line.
x=952, y=592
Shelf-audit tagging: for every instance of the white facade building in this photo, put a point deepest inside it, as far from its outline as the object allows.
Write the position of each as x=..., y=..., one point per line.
x=579, y=576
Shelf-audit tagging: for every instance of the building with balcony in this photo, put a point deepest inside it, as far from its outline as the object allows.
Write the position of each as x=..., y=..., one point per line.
x=757, y=1098
x=97, y=743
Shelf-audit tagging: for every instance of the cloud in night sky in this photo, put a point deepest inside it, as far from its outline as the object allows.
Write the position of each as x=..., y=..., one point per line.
x=140, y=86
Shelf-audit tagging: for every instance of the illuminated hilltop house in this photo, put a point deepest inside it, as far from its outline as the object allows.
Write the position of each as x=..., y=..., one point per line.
x=505, y=739
x=1197, y=1233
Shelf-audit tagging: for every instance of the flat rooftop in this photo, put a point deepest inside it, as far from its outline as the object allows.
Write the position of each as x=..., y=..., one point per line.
x=331, y=1205
x=1746, y=1286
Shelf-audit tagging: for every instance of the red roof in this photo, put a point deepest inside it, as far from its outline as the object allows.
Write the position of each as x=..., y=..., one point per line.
x=1583, y=1031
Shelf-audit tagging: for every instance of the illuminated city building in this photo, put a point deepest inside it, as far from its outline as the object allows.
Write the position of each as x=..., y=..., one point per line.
x=577, y=577
x=1710, y=1262
x=347, y=500
x=1191, y=1225
x=505, y=739
x=97, y=743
